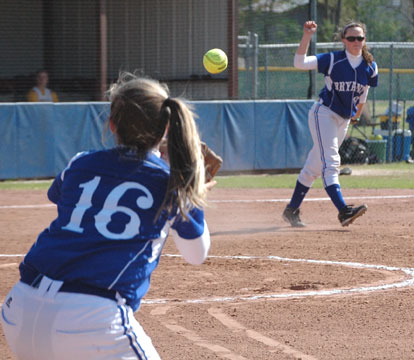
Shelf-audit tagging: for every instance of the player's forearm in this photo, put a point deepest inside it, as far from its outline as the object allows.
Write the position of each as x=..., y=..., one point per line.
x=301, y=61
x=191, y=236
x=364, y=95
x=357, y=115
x=304, y=44
x=194, y=251
x=359, y=111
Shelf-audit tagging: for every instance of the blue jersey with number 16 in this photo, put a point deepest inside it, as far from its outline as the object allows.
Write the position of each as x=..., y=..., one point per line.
x=106, y=233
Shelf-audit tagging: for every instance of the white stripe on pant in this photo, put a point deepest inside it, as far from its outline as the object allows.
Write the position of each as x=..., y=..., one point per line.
x=328, y=131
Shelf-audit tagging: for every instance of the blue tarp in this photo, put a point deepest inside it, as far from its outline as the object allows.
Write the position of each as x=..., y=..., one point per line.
x=37, y=140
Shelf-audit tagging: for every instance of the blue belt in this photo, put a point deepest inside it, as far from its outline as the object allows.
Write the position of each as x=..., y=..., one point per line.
x=32, y=277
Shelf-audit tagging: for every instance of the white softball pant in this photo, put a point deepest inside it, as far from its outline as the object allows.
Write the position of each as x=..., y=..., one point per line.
x=328, y=131
x=42, y=323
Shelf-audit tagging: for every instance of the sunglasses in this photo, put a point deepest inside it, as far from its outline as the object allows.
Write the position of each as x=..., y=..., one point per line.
x=353, y=38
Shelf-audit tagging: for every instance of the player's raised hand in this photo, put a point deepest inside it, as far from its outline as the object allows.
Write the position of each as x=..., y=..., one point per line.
x=310, y=27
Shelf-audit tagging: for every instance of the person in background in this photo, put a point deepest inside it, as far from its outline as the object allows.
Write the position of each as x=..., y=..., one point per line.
x=40, y=92
x=86, y=274
x=410, y=122
x=349, y=74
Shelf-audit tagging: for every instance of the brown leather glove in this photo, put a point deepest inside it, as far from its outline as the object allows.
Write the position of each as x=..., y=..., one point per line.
x=212, y=161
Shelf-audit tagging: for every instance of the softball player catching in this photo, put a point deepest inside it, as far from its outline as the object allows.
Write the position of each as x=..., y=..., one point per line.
x=348, y=76
x=86, y=274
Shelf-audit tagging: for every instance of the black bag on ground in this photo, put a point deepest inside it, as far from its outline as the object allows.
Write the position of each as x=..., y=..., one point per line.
x=356, y=151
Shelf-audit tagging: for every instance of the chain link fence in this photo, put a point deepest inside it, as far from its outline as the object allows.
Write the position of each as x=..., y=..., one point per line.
x=83, y=45
x=266, y=72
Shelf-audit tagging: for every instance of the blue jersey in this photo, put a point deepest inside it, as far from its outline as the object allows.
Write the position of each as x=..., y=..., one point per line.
x=344, y=84
x=106, y=233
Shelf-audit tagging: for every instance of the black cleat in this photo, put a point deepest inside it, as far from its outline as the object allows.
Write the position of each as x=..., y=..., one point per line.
x=348, y=214
x=291, y=216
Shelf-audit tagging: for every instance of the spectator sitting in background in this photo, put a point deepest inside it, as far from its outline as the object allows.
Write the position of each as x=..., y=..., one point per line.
x=410, y=121
x=396, y=112
x=40, y=92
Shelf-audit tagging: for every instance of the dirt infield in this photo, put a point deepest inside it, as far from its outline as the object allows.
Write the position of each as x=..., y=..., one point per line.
x=267, y=291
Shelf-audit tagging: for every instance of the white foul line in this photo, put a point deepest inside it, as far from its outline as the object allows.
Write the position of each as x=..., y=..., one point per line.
x=405, y=283
x=379, y=197
x=11, y=255
x=26, y=206
x=382, y=197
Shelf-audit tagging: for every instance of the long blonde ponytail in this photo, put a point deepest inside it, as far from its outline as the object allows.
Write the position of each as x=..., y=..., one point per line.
x=187, y=176
x=141, y=113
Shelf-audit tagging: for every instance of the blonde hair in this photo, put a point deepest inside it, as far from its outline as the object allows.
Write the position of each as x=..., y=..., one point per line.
x=368, y=57
x=142, y=111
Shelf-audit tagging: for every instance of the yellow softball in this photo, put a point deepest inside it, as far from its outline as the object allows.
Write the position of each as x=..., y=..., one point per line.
x=215, y=61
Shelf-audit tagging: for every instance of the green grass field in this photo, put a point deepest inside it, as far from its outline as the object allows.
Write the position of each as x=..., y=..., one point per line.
x=391, y=176
x=385, y=176
x=25, y=184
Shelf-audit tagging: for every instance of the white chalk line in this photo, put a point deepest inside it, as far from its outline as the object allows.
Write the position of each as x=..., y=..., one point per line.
x=379, y=197
x=221, y=351
x=27, y=206
x=382, y=197
x=12, y=255
x=400, y=284
x=405, y=283
x=271, y=344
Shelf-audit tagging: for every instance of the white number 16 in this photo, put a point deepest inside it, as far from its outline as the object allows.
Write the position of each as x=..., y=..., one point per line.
x=110, y=207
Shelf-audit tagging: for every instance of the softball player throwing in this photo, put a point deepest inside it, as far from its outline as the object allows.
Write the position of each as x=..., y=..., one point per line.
x=348, y=76
x=86, y=274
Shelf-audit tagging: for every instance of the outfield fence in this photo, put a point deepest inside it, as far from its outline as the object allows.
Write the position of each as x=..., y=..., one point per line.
x=266, y=70
x=39, y=139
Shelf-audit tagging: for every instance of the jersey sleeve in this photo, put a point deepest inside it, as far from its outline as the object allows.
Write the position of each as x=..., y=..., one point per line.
x=55, y=190
x=373, y=79
x=192, y=238
x=324, y=61
x=77, y=156
x=192, y=228
x=304, y=62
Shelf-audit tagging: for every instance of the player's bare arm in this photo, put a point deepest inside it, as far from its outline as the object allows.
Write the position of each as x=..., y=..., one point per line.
x=309, y=28
x=355, y=118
